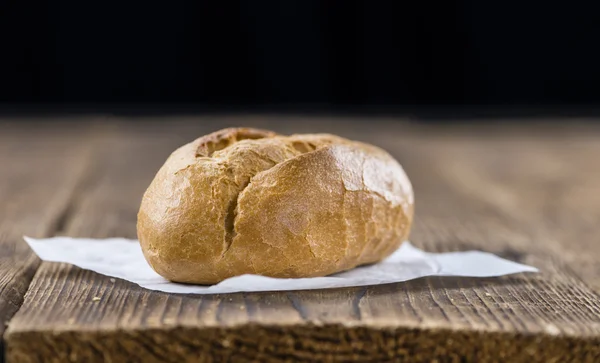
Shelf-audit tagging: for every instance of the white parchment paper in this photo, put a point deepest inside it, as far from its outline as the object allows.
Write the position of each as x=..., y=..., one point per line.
x=122, y=258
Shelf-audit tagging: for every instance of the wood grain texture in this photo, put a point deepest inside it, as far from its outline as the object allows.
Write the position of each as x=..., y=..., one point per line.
x=527, y=194
x=39, y=171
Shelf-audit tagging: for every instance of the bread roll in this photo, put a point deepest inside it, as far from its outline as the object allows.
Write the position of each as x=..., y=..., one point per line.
x=247, y=201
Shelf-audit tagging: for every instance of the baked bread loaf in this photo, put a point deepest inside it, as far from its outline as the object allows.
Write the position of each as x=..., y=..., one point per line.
x=247, y=201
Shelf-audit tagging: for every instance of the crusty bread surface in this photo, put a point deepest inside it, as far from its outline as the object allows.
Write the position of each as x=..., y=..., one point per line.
x=248, y=201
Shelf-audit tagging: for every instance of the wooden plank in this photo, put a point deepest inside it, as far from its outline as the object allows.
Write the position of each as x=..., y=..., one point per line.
x=545, y=186
x=39, y=171
x=487, y=190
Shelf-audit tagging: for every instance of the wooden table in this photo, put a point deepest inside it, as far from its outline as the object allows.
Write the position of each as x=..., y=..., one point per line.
x=530, y=193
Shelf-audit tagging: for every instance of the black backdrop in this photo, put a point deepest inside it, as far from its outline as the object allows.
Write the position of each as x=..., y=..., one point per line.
x=269, y=53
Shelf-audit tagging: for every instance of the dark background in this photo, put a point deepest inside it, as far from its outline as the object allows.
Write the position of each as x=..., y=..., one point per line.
x=384, y=56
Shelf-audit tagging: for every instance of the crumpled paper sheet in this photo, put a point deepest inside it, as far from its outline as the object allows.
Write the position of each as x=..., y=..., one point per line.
x=123, y=258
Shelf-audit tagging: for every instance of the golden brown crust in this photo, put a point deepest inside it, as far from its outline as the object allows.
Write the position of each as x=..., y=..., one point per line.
x=219, y=140
x=249, y=201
